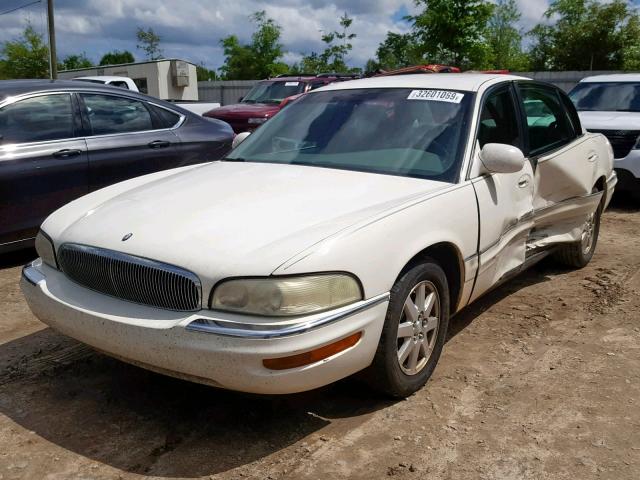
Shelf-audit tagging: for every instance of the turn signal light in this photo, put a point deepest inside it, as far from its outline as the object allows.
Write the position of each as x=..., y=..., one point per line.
x=313, y=356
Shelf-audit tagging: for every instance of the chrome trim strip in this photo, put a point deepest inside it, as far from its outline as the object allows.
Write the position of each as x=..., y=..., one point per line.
x=31, y=274
x=258, y=331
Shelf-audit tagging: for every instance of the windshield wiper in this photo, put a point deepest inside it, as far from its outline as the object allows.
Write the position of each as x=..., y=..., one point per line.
x=626, y=110
x=237, y=159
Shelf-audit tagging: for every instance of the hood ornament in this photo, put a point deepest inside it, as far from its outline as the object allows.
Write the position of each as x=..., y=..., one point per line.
x=127, y=237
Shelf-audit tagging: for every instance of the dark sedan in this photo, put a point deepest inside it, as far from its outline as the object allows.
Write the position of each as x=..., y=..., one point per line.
x=60, y=140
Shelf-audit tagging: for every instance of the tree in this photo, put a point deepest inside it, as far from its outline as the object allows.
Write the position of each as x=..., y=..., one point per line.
x=396, y=51
x=453, y=32
x=333, y=58
x=117, y=57
x=504, y=38
x=586, y=35
x=204, y=74
x=71, y=62
x=259, y=59
x=25, y=57
x=149, y=43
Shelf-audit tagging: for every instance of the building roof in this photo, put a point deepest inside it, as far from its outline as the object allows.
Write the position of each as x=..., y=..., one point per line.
x=617, y=77
x=448, y=81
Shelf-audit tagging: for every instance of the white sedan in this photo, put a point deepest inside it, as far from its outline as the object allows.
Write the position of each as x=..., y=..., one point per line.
x=340, y=237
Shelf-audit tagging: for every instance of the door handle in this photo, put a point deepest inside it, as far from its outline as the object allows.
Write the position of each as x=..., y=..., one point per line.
x=159, y=144
x=523, y=182
x=67, y=152
x=593, y=156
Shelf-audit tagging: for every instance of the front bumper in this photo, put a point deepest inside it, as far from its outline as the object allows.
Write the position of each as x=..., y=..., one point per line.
x=226, y=351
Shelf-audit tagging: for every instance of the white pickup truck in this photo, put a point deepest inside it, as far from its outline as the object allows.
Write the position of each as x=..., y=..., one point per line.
x=127, y=83
x=610, y=104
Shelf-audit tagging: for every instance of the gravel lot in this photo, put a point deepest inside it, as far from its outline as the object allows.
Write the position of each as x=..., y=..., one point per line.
x=539, y=380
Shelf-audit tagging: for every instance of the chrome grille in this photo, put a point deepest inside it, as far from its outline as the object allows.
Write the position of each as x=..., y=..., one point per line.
x=131, y=278
x=622, y=141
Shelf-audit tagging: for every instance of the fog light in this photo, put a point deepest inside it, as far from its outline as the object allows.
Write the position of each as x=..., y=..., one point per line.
x=313, y=356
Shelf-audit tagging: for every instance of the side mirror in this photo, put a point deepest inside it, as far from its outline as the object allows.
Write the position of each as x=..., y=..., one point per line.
x=238, y=139
x=502, y=158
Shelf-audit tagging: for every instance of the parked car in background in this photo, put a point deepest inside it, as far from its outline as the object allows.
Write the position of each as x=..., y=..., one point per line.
x=60, y=140
x=610, y=104
x=340, y=236
x=121, y=82
x=268, y=97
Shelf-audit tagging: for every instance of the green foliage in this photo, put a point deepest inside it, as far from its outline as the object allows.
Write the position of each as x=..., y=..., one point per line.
x=333, y=57
x=259, y=59
x=204, y=74
x=587, y=35
x=149, y=43
x=71, y=62
x=504, y=38
x=453, y=32
x=116, y=57
x=396, y=51
x=25, y=57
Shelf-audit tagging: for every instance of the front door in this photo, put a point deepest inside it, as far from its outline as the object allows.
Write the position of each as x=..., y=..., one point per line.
x=43, y=163
x=505, y=200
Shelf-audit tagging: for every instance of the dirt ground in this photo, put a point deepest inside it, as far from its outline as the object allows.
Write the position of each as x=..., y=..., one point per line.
x=539, y=380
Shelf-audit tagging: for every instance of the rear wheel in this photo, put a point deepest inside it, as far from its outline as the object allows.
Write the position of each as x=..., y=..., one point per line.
x=414, y=332
x=578, y=254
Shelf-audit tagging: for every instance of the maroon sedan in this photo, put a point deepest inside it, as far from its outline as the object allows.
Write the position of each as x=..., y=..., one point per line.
x=267, y=97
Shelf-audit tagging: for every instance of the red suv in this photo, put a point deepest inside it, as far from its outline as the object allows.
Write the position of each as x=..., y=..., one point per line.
x=267, y=97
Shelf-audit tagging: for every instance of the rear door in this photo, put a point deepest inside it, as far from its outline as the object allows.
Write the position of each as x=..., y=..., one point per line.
x=43, y=161
x=125, y=139
x=564, y=162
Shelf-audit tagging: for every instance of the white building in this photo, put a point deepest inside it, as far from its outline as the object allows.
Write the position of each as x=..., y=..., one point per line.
x=168, y=79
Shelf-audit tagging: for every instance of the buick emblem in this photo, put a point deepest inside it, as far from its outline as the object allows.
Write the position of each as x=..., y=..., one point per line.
x=127, y=237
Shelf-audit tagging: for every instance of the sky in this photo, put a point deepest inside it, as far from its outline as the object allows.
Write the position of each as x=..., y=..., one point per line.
x=192, y=29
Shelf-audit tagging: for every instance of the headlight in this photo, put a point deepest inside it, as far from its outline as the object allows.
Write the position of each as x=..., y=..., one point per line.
x=257, y=121
x=44, y=247
x=286, y=296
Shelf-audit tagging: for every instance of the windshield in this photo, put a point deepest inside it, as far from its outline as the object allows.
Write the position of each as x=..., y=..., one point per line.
x=607, y=96
x=413, y=133
x=272, y=92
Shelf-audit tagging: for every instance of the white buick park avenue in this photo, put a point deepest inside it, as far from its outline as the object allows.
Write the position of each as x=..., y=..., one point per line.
x=340, y=237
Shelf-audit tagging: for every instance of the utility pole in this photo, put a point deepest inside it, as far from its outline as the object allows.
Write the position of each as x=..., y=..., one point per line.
x=53, y=62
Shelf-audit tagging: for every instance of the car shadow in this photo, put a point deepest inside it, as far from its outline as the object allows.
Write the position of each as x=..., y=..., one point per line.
x=17, y=258
x=145, y=423
x=623, y=202
x=148, y=424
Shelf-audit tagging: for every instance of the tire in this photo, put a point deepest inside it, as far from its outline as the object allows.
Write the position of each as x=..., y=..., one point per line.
x=578, y=254
x=388, y=373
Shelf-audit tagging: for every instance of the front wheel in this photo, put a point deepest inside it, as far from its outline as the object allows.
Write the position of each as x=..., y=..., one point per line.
x=414, y=331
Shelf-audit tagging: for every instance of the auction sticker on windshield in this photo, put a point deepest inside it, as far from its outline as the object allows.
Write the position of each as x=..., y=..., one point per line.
x=436, y=96
x=291, y=84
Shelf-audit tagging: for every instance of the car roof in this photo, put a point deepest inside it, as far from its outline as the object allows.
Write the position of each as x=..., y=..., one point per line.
x=448, y=81
x=618, y=77
x=102, y=78
x=293, y=78
x=10, y=88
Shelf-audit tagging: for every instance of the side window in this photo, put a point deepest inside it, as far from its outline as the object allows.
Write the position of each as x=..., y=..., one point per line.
x=111, y=114
x=548, y=124
x=120, y=84
x=163, y=117
x=572, y=113
x=498, y=119
x=37, y=119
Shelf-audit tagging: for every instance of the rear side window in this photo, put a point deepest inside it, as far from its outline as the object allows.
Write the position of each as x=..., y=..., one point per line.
x=120, y=84
x=37, y=119
x=548, y=123
x=498, y=120
x=163, y=117
x=111, y=114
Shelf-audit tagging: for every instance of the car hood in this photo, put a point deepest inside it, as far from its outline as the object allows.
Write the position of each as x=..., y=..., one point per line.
x=244, y=110
x=610, y=120
x=230, y=218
